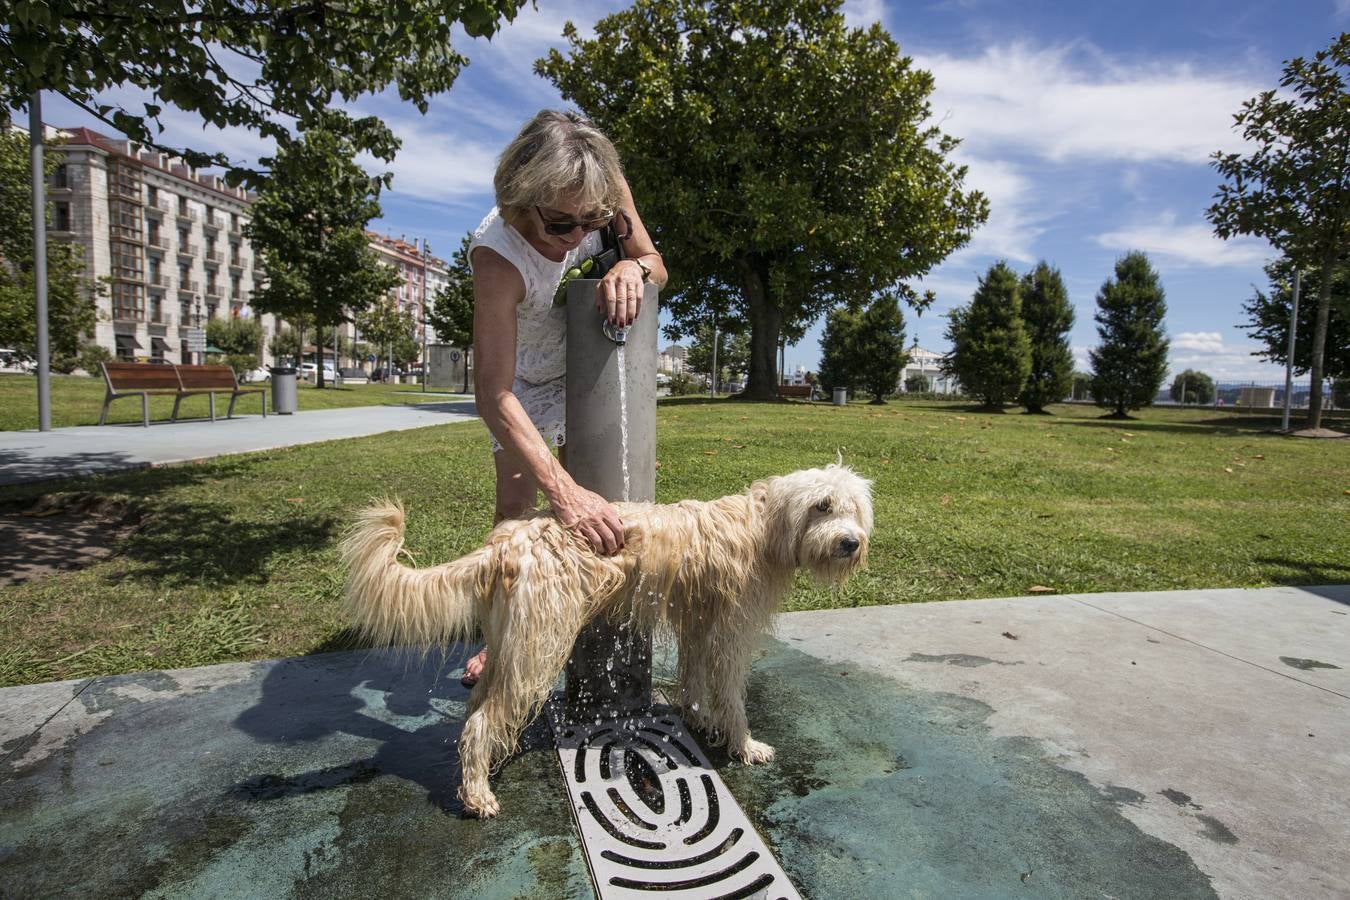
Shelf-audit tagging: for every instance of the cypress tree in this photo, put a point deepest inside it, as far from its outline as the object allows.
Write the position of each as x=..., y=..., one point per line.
x=880, y=347
x=1129, y=366
x=990, y=353
x=1048, y=316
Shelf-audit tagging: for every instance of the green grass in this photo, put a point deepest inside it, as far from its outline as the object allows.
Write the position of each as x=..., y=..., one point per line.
x=237, y=557
x=76, y=400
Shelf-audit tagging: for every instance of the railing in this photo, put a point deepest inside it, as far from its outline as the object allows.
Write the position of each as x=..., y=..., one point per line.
x=160, y=318
x=188, y=249
x=236, y=262
x=213, y=222
x=159, y=241
x=160, y=281
x=213, y=290
x=187, y=287
x=189, y=213
x=215, y=256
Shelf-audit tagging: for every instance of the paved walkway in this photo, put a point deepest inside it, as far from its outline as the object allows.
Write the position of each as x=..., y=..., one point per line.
x=86, y=450
x=1175, y=744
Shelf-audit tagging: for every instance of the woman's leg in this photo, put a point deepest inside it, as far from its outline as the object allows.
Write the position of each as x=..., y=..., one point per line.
x=516, y=494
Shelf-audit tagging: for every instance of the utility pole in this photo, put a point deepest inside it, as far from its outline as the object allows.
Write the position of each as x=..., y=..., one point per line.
x=1289, y=356
x=712, y=390
x=39, y=175
x=426, y=251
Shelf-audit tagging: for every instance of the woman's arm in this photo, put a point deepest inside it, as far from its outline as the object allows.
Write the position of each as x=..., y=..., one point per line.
x=619, y=293
x=497, y=290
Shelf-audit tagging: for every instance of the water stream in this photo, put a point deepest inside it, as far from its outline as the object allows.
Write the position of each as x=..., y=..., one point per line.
x=623, y=420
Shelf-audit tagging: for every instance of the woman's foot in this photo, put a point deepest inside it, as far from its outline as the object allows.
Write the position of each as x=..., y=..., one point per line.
x=473, y=669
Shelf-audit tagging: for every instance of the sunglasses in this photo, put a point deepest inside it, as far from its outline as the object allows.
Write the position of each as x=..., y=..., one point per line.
x=559, y=227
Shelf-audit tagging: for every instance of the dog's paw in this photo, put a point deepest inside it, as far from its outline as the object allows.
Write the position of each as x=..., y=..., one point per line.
x=755, y=752
x=481, y=803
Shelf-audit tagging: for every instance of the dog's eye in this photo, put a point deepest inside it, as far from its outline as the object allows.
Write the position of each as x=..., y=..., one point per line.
x=824, y=505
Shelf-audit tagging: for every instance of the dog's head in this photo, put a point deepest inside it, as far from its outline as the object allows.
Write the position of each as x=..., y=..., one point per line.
x=818, y=518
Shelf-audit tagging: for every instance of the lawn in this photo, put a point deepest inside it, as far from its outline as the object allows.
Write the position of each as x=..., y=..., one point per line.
x=236, y=558
x=77, y=399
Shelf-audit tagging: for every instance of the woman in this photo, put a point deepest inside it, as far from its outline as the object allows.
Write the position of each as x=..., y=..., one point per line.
x=557, y=185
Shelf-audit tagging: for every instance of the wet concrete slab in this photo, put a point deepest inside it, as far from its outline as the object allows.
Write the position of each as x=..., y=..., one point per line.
x=1102, y=745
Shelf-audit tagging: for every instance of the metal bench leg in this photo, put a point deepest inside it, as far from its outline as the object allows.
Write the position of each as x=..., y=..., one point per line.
x=145, y=410
x=263, y=395
x=176, y=400
x=103, y=416
x=230, y=413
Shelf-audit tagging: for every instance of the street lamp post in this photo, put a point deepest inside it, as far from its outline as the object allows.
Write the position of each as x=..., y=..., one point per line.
x=426, y=250
x=197, y=323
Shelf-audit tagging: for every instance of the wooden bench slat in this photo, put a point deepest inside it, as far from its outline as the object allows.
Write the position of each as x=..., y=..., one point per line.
x=144, y=379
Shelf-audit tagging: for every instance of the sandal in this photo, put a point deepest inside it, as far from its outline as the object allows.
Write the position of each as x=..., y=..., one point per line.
x=471, y=678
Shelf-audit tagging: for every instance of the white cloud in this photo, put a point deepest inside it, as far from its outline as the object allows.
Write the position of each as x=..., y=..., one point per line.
x=1185, y=245
x=862, y=13
x=434, y=164
x=1014, y=222
x=1198, y=342
x=1074, y=103
x=1209, y=352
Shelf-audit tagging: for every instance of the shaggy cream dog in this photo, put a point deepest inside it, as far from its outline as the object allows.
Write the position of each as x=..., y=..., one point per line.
x=713, y=572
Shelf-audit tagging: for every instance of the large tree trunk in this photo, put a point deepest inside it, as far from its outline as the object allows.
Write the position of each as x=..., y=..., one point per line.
x=766, y=320
x=1320, y=338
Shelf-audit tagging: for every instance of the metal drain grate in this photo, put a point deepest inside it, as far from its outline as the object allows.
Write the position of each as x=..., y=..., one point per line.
x=654, y=817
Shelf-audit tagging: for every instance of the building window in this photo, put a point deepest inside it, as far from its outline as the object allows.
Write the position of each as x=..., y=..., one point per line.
x=61, y=217
x=61, y=178
x=128, y=301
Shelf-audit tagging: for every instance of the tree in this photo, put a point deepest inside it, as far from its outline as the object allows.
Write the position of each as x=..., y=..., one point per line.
x=880, y=345
x=451, y=311
x=1048, y=317
x=1268, y=317
x=388, y=329
x=733, y=350
x=71, y=312
x=917, y=383
x=990, y=353
x=285, y=344
x=786, y=163
x=309, y=231
x=240, y=338
x=1192, y=387
x=1129, y=366
x=1082, y=385
x=839, y=350
x=266, y=65
x=1294, y=188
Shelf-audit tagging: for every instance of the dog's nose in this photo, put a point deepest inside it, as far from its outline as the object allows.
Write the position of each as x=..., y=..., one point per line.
x=848, y=545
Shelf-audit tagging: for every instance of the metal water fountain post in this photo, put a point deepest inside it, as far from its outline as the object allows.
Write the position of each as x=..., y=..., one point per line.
x=611, y=449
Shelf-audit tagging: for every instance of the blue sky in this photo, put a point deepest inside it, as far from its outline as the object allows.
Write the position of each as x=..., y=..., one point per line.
x=1088, y=125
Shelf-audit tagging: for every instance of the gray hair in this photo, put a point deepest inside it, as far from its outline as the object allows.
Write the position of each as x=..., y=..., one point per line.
x=556, y=155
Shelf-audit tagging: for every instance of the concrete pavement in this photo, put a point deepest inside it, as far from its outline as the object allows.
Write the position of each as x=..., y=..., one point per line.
x=27, y=456
x=1172, y=744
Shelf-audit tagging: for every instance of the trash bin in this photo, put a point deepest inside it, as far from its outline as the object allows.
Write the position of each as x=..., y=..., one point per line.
x=840, y=396
x=283, y=390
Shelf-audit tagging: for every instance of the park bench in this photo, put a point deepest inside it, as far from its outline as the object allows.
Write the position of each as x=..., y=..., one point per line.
x=800, y=391
x=211, y=380
x=166, y=379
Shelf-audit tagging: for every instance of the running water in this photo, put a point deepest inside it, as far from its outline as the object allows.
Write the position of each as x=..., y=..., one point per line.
x=623, y=419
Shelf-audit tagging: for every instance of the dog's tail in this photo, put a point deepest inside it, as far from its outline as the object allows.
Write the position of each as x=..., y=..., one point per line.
x=391, y=603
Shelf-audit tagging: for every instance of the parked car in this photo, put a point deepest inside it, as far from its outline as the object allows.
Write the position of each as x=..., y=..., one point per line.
x=310, y=372
x=12, y=361
x=260, y=375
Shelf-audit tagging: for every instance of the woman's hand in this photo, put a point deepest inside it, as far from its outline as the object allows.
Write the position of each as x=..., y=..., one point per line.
x=591, y=516
x=619, y=294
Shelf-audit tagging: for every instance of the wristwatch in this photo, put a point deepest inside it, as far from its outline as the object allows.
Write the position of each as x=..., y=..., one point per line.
x=646, y=269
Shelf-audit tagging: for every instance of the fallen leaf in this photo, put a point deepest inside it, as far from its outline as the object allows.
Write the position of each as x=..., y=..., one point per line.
x=658, y=463
x=737, y=446
x=1044, y=515
x=1010, y=636
x=1040, y=589
x=1259, y=456
x=709, y=452
x=1228, y=469
x=1127, y=434
x=946, y=498
x=295, y=499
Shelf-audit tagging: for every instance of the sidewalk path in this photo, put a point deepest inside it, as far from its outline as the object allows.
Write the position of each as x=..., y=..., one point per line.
x=1172, y=744
x=27, y=456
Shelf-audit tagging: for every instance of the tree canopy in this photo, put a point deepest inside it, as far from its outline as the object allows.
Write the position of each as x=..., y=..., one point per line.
x=1293, y=189
x=308, y=230
x=267, y=65
x=1048, y=317
x=70, y=295
x=1268, y=314
x=1130, y=364
x=880, y=345
x=451, y=309
x=839, y=351
x=990, y=354
x=785, y=163
x=1192, y=386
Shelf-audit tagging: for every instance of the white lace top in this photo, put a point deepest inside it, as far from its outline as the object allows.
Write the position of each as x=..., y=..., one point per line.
x=541, y=328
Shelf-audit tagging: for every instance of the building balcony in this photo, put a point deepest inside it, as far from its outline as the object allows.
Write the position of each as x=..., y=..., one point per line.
x=158, y=243
x=160, y=318
x=213, y=223
x=236, y=227
x=188, y=287
x=158, y=282
x=188, y=249
x=214, y=292
x=154, y=211
x=189, y=215
x=125, y=190
x=215, y=257
x=236, y=262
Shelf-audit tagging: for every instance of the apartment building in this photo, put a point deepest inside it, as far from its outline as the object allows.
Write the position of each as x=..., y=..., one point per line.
x=168, y=240
x=408, y=260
